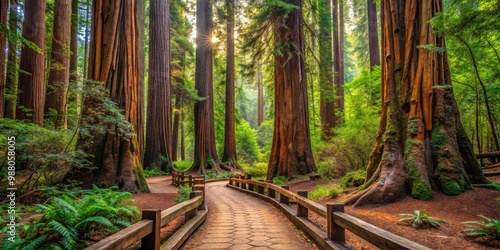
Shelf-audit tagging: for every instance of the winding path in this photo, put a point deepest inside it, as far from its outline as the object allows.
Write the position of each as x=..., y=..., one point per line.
x=239, y=221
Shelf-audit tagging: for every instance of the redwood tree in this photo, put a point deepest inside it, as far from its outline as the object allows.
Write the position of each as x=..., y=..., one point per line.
x=205, y=153
x=260, y=98
x=4, y=6
x=31, y=85
x=159, y=125
x=291, y=152
x=57, y=90
x=373, y=34
x=113, y=60
x=229, y=154
x=421, y=143
x=73, y=62
x=11, y=80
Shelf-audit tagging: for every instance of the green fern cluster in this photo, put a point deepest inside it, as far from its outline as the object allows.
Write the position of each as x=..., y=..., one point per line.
x=67, y=220
x=488, y=228
x=419, y=219
x=183, y=194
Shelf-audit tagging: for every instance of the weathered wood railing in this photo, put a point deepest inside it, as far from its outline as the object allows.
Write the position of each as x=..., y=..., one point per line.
x=180, y=178
x=494, y=162
x=337, y=220
x=148, y=229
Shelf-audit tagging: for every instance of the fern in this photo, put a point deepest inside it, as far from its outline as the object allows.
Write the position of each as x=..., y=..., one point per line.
x=34, y=245
x=490, y=228
x=419, y=219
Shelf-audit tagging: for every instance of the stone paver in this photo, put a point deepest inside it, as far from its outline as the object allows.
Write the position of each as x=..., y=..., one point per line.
x=240, y=221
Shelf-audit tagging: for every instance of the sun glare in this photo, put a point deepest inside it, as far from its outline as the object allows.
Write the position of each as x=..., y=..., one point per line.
x=214, y=39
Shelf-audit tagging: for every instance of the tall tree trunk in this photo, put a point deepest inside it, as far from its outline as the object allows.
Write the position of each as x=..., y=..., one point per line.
x=421, y=142
x=4, y=6
x=113, y=60
x=373, y=34
x=73, y=61
x=260, y=99
x=340, y=100
x=31, y=86
x=229, y=154
x=205, y=153
x=159, y=126
x=291, y=152
x=183, y=148
x=175, y=133
x=57, y=90
x=339, y=91
x=11, y=80
x=141, y=57
x=326, y=94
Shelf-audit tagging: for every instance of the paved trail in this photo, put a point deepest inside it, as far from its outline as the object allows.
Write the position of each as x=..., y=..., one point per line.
x=240, y=221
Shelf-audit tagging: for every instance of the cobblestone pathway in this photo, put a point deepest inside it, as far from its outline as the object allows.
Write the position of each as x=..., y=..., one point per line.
x=240, y=221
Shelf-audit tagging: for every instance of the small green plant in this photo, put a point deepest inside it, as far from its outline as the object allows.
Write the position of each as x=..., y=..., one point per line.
x=183, y=194
x=257, y=170
x=154, y=171
x=334, y=193
x=353, y=178
x=182, y=166
x=488, y=228
x=419, y=219
x=279, y=180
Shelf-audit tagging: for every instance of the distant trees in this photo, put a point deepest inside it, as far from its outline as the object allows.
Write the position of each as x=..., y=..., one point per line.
x=291, y=152
x=421, y=138
x=31, y=83
x=374, y=48
x=4, y=6
x=159, y=126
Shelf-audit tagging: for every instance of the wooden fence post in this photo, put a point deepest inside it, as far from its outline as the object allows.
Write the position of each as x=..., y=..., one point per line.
x=260, y=189
x=301, y=210
x=283, y=198
x=334, y=231
x=190, y=180
x=236, y=182
x=270, y=192
x=250, y=185
x=152, y=240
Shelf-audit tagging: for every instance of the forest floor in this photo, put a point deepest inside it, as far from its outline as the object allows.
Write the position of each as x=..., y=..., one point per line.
x=454, y=209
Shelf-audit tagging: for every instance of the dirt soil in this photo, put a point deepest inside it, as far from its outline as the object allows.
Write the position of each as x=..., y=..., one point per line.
x=454, y=209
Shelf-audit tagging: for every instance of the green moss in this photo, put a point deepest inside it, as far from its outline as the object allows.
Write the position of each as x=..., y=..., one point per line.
x=451, y=187
x=438, y=139
x=420, y=188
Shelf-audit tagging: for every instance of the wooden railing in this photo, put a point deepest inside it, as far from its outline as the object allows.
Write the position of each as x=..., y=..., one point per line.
x=180, y=178
x=337, y=220
x=494, y=162
x=148, y=229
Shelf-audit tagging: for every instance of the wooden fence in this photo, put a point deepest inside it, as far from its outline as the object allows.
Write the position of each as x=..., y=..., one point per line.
x=494, y=160
x=337, y=220
x=148, y=229
x=179, y=179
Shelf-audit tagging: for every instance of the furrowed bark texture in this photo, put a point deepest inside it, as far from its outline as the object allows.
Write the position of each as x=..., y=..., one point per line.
x=421, y=143
x=159, y=126
x=205, y=153
x=291, y=152
x=58, y=85
x=113, y=60
x=31, y=86
x=373, y=34
x=4, y=6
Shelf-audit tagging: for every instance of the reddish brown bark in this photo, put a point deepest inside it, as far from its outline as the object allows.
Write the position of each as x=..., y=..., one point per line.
x=229, y=155
x=113, y=60
x=260, y=99
x=159, y=126
x=57, y=88
x=141, y=57
x=373, y=34
x=291, y=152
x=11, y=79
x=421, y=142
x=4, y=6
x=337, y=79
x=205, y=154
x=31, y=86
x=73, y=61
x=175, y=133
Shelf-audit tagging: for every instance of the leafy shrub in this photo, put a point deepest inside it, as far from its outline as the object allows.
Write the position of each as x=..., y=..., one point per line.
x=154, y=171
x=318, y=193
x=334, y=193
x=214, y=175
x=265, y=137
x=326, y=169
x=279, y=180
x=246, y=143
x=488, y=228
x=182, y=166
x=419, y=219
x=353, y=178
x=257, y=170
x=68, y=221
x=183, y=194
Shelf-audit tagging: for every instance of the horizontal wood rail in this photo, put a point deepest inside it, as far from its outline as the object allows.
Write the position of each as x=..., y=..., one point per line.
x=148, y=229
x=337, y=220
x=180, y=178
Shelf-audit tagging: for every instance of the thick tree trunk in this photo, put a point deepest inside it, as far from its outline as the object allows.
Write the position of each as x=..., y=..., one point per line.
x=31, y=86
x=373, y=34
x=421, y=142
x=58, y=85
x=4, y=6
x=327, y=93
x=229, y=155
x=141, y=57
x=291, y=152
x=11, y=79
x=159, y=126
x=205, y=154
x=339, y=91
x=73, y=61
x=113, y=60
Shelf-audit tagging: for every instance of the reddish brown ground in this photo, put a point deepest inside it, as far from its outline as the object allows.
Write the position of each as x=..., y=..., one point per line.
x=454, y=209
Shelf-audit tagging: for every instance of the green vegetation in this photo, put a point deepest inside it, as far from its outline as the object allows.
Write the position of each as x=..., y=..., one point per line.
x=73, y=217
x=154, y=171
x=322, y=191
x=490, y=228
x=183, y=194
x=353, y=178
x=257, y=170
x=419, y=219
x=214, y=175
x=182, y=166
x=279, y=180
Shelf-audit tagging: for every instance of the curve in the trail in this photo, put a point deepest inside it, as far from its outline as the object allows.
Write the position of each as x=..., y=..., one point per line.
x=240, y=221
